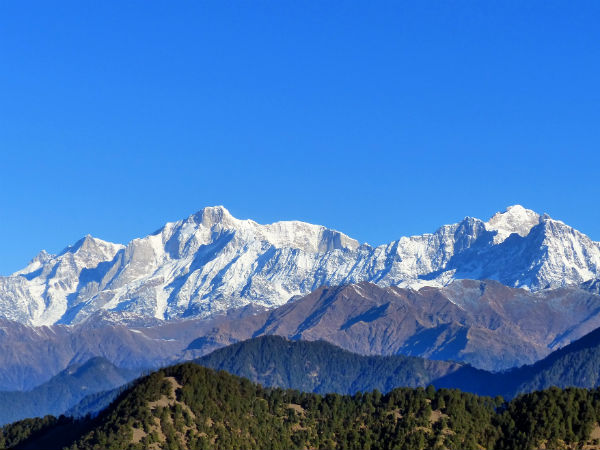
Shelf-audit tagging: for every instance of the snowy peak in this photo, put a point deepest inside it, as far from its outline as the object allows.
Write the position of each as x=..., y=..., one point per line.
x=86, y=252
x=306, y=237
x=284, y=234
x=91, y=248
x=212, y=262
x=515, y=219
x=568, y=252
x=214, y=215
x=38, y=261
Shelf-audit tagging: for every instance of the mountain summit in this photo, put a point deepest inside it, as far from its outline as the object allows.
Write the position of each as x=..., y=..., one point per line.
x=211, y=262
x=515, y=219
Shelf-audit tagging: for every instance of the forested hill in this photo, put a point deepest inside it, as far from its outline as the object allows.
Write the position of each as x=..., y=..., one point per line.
x=321, y=367
x=318, y=366
x=189, y=406
x=577, y=364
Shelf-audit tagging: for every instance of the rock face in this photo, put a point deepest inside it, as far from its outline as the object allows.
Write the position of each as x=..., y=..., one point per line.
x=212, y=262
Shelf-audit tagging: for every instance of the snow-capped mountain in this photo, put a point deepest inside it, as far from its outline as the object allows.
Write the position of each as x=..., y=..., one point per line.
x=212, y=262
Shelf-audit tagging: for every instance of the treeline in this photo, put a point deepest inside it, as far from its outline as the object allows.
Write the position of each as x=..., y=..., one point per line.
x=188, y=406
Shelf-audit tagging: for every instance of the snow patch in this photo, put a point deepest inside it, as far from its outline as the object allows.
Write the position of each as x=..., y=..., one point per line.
x=515, y=219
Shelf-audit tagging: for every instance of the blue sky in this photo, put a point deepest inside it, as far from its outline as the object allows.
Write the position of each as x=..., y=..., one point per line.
x=380, y=119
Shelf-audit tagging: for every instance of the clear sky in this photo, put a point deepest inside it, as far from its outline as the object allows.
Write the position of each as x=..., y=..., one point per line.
x=380, y=119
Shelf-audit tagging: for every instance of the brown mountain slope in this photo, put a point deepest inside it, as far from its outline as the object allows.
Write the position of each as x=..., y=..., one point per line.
x=483, y=323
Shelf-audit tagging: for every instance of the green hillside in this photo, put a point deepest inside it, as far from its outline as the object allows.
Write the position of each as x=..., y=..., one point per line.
x=189, y=406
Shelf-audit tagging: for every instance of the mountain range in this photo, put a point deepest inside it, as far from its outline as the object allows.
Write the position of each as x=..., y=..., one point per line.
x=483, y=323
x=212, y=262
x=312, y=366
x=465, y=306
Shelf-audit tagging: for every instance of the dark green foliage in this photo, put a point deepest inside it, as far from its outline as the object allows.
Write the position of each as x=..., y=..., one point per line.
x=23, y=430
x=322, y=367
x=188, y=406
x=318, y=366
x=556, y=417
x=42, y=433
x=577, y=365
